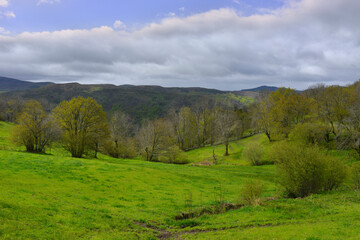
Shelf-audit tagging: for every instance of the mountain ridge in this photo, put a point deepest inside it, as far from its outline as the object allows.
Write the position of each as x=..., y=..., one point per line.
x=12, y=84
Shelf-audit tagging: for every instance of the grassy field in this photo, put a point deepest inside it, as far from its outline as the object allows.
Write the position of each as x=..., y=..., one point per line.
x=59, y=197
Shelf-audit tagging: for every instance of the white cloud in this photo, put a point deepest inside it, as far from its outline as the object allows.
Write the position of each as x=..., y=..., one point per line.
x=3, y=31
x=298, y=45
x=47, y=2
x=10, y=14
x=4, y=3
x=182, y=9
x=171, y=14
x=119, y=25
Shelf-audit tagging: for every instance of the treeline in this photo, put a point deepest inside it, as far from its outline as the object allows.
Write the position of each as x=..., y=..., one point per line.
x=323, y=115
x=328, y=116
x=83, y=128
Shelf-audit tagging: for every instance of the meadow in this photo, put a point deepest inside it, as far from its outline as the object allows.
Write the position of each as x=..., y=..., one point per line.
x=54, y=196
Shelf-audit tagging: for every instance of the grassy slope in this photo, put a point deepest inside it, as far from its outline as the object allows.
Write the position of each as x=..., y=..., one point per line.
x=58, y=197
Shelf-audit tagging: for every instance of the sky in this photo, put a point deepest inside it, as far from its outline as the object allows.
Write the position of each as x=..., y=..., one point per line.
x=222, y=44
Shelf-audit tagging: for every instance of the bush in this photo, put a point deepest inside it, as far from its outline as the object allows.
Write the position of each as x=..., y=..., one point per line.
x=173, y=155
x=355, y=175
x=254, y=154
x=251, y=193
x=125, y=149
x=306, y=170
x=311, y=133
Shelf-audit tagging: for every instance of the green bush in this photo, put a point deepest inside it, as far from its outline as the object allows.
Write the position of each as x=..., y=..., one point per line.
x=311, y=133
x=251, y=193
x=355, y=175
x=254, y=153
x=125, y=149
x=173, y=154
x=306, y=170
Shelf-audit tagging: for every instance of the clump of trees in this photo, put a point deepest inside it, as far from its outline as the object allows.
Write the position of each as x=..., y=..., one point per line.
x=35, y=129
x=83, y=125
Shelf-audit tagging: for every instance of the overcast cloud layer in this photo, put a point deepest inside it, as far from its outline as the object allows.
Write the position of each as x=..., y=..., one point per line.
x=301, y=44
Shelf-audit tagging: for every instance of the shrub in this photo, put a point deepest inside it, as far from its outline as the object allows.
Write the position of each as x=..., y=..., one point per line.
x=254, y=154
x=306, y=170
x=311, y=133
x=355, y=175
x=251, y=193
x=173, y=155
x=125, y=149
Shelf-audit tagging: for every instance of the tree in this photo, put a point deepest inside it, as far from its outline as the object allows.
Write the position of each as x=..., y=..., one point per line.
x=83, y=123
x=262, y=116
x=121, y=143
x=35, y=130
x=154, y=138
x=227, y=124
x=14, y=107
x=333, y=105
x=184, y=124
x=278, y=112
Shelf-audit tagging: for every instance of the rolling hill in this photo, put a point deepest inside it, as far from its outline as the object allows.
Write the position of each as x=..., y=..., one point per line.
x=140, y=102
x=11, y=84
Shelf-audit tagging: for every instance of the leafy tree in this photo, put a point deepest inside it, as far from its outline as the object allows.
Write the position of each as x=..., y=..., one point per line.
x=34, y=129
x=333, y=106
x=262, y=115
x=278, y=112
x=83, y=123
x=13, y=109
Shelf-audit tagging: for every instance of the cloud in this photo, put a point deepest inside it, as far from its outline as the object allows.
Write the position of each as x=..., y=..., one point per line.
x=182, y=9
x=9, y=14
x=3, y=31
x=300, y=44
x=119, y=25
x=171, y=14
x=4, y=3
x=47, y=2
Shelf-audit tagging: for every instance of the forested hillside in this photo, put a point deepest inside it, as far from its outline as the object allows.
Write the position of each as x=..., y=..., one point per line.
x=140, y=102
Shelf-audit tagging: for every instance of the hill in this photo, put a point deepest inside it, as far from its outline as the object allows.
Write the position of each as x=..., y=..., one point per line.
x=59, y=197
x=10, y=84
x=261, y=89
x=140, y=102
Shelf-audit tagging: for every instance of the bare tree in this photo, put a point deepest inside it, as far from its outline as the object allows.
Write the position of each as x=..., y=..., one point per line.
x=121, y=127
x=154, y=137
x=227, y=124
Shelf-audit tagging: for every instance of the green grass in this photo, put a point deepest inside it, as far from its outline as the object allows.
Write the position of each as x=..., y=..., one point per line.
x=59, y=197
x=235, y=157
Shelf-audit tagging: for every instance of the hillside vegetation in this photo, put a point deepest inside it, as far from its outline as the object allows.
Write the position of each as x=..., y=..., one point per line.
x=59, y=197
x=140, y=102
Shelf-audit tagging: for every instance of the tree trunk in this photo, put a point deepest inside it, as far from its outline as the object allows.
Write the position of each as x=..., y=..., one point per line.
x=227, y=149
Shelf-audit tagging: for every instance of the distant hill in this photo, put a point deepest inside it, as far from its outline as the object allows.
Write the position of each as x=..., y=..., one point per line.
x=140, y=102
x=10, y=84
x=261, y=89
